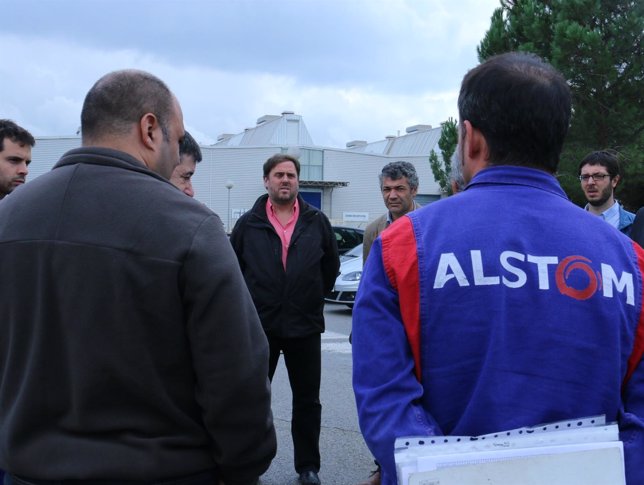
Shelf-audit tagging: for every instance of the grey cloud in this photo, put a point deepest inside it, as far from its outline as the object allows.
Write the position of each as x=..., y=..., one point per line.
x=340, y=43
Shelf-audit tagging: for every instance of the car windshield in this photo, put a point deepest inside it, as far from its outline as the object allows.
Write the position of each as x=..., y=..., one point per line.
x=355, y=252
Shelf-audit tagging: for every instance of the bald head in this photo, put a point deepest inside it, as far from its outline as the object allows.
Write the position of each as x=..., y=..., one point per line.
x=119, y=99
x=135, y=112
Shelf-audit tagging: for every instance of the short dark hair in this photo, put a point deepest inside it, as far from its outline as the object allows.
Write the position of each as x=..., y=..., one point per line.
x=279, y=158
x=521, y=105
x=398, y=170
x=121, y=98
x=606, y=158
x=15, y=133
x=189, y=146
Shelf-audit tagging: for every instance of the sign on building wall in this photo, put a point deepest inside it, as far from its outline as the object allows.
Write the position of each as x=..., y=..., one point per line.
x=355, y=216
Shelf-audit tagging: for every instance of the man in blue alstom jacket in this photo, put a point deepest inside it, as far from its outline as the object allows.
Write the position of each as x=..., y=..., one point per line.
x=506, y=305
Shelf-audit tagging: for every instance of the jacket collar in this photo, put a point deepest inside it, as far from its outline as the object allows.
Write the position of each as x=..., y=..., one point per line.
x=105, y=157
x=515, y=175
x=259, y=208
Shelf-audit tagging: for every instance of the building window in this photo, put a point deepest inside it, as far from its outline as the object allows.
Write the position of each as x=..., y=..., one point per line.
x=311, y=163
x=426, y=199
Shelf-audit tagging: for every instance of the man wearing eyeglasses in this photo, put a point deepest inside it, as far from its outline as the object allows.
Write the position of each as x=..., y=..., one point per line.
x=599, y=173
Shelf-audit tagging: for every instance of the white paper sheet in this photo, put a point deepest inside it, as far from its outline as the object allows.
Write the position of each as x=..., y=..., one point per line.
x=578, y=448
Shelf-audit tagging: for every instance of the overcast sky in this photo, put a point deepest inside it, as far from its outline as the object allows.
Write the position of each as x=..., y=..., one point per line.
x=354, y=69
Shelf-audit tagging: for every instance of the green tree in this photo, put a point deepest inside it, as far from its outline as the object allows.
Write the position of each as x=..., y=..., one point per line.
x=447, y=143
x=597, y=45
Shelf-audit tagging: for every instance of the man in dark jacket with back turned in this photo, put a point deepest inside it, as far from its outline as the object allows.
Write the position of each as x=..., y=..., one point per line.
x=289, y=257
x=131, y=349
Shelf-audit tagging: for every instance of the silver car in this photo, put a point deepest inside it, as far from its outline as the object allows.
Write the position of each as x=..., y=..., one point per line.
x=346, y=284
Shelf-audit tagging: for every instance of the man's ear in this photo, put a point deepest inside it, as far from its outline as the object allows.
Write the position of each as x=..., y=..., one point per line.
x=475, y=153
x=475, y=144
x=148, y=125
x=615, y=181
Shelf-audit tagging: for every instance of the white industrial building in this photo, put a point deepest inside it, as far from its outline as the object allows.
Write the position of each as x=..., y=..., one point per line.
x=343, y=182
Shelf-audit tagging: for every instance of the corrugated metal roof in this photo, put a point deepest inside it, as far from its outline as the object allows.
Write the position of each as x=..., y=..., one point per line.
x=231, y=141
x=263, y=134
x=376, y=147
x=416, y=143
x=287, y=129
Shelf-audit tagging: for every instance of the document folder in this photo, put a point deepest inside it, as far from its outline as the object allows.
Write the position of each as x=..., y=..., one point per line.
x=582, y=451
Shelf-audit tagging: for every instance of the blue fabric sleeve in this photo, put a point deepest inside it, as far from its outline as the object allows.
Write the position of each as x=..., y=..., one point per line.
x=631, y=422
x=631, y=426
x=385, y=386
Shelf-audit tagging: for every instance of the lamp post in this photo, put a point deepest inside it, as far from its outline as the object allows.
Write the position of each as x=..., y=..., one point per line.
x=229, y=185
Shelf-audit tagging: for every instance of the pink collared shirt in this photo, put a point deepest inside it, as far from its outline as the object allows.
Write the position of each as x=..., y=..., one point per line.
x=284, y=232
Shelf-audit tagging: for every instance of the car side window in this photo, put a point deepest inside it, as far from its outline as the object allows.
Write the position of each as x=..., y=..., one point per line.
x=347, y=238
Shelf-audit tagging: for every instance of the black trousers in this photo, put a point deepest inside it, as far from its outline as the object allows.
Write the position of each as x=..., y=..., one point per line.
x=302, y=357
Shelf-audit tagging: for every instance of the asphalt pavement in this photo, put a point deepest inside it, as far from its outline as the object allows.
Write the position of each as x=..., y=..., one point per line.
x=345, y=459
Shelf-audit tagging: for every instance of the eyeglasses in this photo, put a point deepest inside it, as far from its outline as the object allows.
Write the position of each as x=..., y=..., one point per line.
x=597, y=177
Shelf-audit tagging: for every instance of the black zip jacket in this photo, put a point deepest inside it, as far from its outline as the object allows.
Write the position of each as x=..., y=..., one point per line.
x=290, y=303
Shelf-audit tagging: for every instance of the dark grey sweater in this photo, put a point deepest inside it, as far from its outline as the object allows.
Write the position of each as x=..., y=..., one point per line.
x=130, y=348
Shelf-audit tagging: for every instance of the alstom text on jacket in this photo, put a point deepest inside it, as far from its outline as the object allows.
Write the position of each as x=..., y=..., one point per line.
x=575, y=276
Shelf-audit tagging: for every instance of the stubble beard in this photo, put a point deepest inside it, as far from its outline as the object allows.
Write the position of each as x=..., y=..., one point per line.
x=288, y=199
x=604, y=196
x=400, y=210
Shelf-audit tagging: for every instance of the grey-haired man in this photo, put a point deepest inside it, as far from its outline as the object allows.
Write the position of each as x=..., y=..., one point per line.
x=398, y=185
